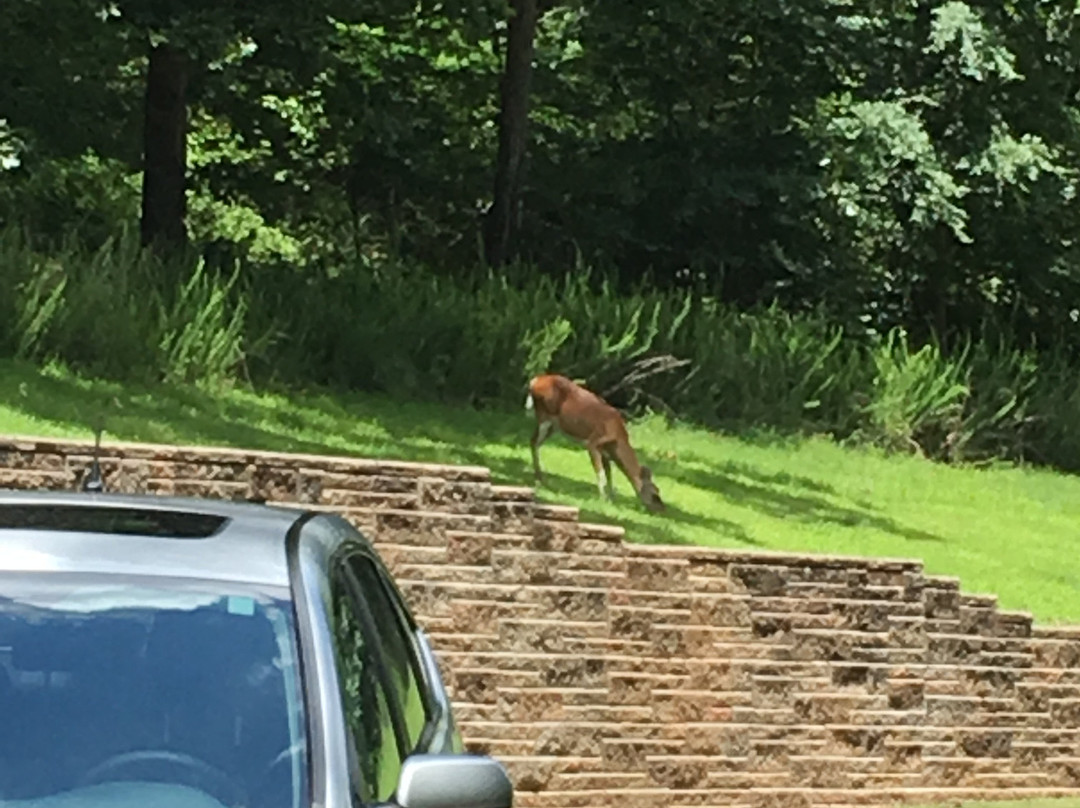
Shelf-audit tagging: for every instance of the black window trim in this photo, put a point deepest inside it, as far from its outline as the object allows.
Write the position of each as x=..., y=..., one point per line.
x=305, y=651
x=432, y=709
x=433, y=712
x=367, y=625
x=408, y=625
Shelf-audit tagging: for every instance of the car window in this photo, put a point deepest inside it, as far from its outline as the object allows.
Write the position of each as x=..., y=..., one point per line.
x=364, y=697
x=395, y=643
x=153, y=691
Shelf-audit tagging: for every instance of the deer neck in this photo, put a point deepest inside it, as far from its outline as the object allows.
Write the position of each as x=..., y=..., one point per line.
x=626, y=460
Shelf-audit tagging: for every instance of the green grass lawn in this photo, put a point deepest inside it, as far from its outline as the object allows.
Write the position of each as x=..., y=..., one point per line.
x=1007, y=531
x=1066, y=802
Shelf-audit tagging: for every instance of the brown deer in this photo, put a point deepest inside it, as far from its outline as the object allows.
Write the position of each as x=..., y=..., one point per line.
x=585, y=417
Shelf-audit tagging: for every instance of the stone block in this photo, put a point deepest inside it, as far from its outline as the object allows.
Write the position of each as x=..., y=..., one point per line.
x=994, y=744
x=859, y=740
x=512, y=517
x=906, y=694
x=478, y=687
x=528, y=704
x=656, y=574
x=472, y=549
x=571, y=740
x=624, y=755
x=575, y=672
x=677, y=774
x=576, y=603
x=760, y=580
x=437, y=494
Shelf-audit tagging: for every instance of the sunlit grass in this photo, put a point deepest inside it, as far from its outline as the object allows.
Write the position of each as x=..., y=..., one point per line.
x=1057, y=802
x=1007, y=531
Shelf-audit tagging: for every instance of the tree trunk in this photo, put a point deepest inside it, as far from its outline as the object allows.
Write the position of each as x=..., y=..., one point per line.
x=940, y=292
x=513, y=131
x=164, y=204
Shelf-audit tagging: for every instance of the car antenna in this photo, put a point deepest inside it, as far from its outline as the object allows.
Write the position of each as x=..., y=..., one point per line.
x=93, y=482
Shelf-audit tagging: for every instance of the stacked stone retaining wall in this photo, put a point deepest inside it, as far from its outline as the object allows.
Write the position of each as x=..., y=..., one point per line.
x=607, y=674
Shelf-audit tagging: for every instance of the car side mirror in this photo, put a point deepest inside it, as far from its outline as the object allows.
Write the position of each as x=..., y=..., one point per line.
x=453, y=781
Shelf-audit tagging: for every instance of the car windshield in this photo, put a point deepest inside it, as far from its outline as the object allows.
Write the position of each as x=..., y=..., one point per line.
x=129, y=691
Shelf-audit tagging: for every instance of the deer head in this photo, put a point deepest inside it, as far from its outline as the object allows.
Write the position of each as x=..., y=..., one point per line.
x=649, y=492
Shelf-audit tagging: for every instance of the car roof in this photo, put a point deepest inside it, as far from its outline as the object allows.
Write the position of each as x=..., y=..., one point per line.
x=186, y=537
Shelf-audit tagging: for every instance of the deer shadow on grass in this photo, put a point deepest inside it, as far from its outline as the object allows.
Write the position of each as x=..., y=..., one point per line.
x=641, y=526
x=787, y=497
x=783, y=479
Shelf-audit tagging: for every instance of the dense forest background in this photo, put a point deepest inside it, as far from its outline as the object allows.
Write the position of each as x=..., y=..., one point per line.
x=857, y=218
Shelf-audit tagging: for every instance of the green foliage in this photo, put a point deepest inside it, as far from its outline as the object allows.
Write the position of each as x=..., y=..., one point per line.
x=541, y=344
x=115, y=311
x=84, y=193
x=10, y=147
x=998, y=420
x=1018, y=162
x=201, y=331
x=770, y=368
x=917, y=399
x=918, y=167
x=884, y=163
x=977, y=50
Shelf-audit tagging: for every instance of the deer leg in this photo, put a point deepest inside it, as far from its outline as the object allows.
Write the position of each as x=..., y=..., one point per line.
x=642, y=481
x=540, y=434
x=610, y=479
x=599, y=466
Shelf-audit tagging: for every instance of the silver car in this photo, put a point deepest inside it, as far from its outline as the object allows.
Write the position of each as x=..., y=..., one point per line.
x=189, y=653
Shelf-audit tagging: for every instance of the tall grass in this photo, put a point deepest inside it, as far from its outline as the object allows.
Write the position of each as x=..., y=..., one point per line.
x=119, y=311
x=478, y=336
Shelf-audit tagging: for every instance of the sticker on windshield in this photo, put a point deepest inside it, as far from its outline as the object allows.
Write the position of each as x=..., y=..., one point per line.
x=241, y=605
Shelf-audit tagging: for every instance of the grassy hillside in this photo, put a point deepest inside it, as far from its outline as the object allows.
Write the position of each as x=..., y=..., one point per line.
x=1008, y=531
x=1055, y=803
x=1046, y=803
